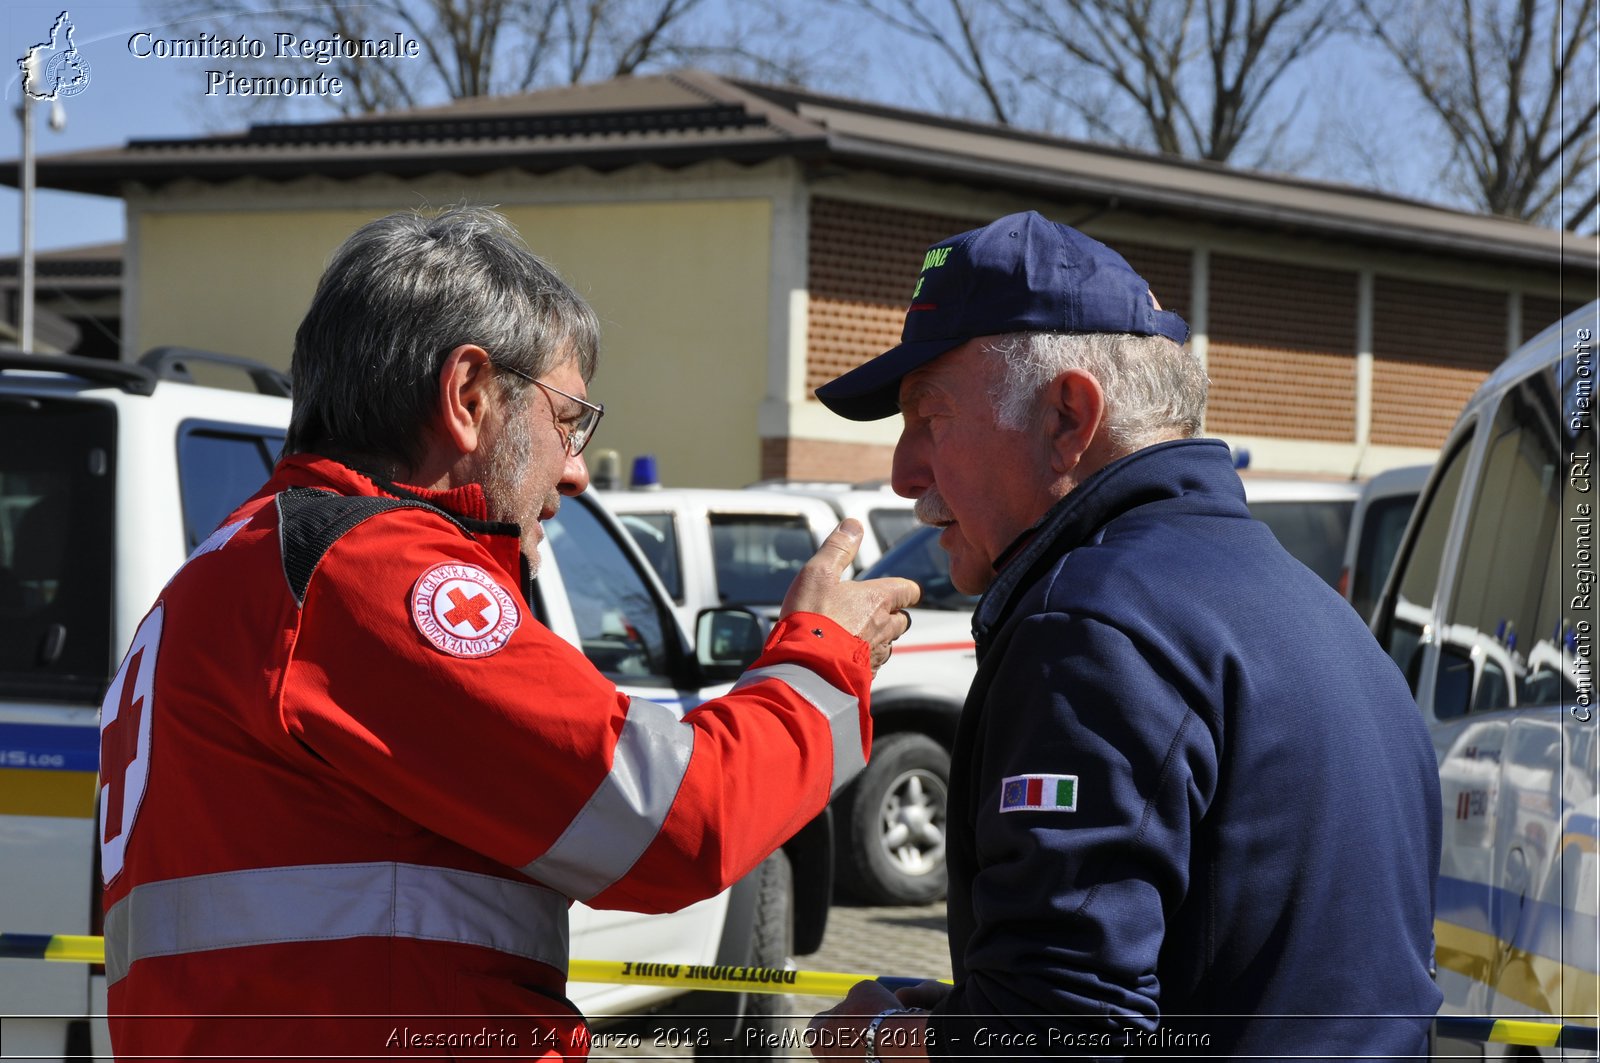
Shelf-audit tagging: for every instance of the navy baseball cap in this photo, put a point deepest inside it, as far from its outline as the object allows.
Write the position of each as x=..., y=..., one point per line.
x=1023, y=273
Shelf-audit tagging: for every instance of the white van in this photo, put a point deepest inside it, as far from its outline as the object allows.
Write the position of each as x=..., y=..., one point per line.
x=715, y=547
x=886, y=516
x=1490, y=612
x=110, y=473
x=722, y=547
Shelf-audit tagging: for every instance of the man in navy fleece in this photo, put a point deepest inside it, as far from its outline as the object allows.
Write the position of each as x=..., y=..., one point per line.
x=1193, y=808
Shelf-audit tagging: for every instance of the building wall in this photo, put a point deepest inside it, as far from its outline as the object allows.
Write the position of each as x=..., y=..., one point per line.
x=728, y=293
x=681, y=287
x=1324, y=358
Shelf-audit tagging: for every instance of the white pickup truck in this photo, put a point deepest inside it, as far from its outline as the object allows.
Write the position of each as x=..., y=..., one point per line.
x=110, y=473
x=718, y=547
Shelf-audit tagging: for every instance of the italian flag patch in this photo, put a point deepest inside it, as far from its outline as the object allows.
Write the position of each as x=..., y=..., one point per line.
x=1039, y=793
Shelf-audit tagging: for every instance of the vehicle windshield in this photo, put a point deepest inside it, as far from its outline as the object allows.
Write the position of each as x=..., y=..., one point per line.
x=623, y=629
x=919, y=557
x=57, y=462
x=757, y=555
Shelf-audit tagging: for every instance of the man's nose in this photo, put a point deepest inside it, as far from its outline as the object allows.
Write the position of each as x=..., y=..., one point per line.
x=574, y=476
x=910, y=476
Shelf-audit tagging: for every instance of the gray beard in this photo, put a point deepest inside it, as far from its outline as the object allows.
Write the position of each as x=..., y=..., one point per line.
x=505, y=488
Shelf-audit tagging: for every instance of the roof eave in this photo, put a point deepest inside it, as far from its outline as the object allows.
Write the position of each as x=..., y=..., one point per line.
x=105, y=178
x=1554, y=249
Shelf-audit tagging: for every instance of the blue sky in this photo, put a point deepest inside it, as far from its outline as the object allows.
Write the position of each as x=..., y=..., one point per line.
x=129, y=98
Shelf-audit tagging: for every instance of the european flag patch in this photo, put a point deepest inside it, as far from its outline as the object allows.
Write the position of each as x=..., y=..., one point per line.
x=1039, y=793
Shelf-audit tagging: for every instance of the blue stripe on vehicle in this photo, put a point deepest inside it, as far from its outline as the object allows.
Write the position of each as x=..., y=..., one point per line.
x=49, y=747
x=1541, y=927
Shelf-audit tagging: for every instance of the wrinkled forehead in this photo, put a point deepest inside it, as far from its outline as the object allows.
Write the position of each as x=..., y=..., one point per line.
x=950, y=375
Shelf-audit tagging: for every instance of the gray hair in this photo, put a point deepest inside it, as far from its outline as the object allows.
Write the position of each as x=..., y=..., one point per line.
x=398, y=296
x=1153, y=387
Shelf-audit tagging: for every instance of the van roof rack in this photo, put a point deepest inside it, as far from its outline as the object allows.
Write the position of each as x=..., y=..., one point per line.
x=172, y=363
x=134, y=379
x=157, y=364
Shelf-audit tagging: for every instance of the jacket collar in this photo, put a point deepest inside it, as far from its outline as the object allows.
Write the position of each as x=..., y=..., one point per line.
x=1166, y=470
x=465, y=505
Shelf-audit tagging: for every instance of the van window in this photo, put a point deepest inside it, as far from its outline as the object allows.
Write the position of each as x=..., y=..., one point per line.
x=218, y=468
x=1503, y=632
x=757, y=555
x=1401, y=631
x=57, y=499
x=621, y=624
x=1382, y=525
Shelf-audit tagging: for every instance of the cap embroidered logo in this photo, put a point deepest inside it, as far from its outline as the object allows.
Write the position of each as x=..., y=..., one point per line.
x=463, y=611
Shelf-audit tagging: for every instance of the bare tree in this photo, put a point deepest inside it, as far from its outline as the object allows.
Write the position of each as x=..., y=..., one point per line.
x=1198, y=72
x=1512, y=83
x=1196, y=75
x=487, y=47
x=966, y=33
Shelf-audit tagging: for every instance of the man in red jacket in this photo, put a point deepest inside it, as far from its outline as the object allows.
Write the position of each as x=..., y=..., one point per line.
x=354, y=779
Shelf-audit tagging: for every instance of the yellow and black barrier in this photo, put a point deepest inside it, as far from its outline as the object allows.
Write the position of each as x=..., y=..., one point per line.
x=1515, y=1032
x=85, y=948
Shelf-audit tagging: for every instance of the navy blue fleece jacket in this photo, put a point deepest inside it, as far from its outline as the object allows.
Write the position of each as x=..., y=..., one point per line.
x=1254, y=833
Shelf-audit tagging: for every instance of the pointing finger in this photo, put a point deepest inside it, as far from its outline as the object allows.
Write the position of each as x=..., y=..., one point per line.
x=839, y=548
x=898, y=593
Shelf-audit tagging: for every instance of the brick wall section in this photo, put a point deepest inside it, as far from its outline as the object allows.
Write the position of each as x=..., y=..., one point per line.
x=863, y=264
x=1166, y=271
x=1282, y=350
x=815, y=459
x=1539, y=312
x=1432, y=345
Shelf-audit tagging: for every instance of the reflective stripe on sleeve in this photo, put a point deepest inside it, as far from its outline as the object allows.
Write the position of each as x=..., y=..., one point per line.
x=263, y=906
x=841, y=710
x=625, y=813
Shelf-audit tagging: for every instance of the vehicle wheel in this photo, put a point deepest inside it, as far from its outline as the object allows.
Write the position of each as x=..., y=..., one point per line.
x=771, y=941
x=892, y=851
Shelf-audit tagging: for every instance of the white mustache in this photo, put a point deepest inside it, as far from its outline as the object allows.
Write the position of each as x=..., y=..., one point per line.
x=931, y=508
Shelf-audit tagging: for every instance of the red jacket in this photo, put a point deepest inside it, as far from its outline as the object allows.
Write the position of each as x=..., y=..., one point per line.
x=346, y=772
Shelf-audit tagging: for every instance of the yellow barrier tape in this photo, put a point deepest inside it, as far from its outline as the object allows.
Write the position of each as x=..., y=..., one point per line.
x=716, y=977
x=84, y=948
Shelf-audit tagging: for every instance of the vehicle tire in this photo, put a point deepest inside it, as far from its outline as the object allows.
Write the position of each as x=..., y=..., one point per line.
x=892, y=848
x=771, y=941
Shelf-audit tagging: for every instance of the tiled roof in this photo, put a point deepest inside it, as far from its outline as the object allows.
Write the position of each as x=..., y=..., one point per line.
x=686, y=117
x=91, y=267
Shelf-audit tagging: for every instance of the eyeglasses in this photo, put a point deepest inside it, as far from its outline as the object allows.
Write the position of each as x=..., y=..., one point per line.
x=576, y=436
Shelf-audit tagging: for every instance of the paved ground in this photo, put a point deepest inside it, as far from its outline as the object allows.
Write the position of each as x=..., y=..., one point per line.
x=869, y=941
x=909, y=942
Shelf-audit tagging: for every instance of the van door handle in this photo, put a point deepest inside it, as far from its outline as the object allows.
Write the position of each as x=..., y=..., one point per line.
x=1516, y=881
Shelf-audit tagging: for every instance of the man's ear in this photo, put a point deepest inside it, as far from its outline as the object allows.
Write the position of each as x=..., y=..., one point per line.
x=465, y=381
x=1074, y=409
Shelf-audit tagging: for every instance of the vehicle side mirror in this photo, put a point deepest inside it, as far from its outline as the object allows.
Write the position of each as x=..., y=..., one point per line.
x=726, y=641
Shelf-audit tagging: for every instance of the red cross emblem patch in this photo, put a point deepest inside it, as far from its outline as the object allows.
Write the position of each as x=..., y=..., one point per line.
x=463, y=611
